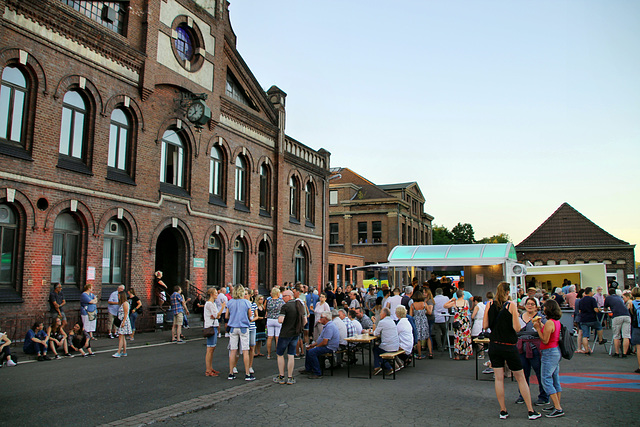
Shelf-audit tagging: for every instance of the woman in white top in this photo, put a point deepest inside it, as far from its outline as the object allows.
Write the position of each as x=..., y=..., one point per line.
x=211, y=316
x=477, y=316
x=321, y=307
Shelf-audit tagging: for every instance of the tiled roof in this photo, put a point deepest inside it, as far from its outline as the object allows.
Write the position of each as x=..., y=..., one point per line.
x=567, y=227
x=368, y=190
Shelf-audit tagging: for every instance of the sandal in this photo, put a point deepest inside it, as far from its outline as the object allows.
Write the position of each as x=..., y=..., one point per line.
x=431, y=356
x=580, y=351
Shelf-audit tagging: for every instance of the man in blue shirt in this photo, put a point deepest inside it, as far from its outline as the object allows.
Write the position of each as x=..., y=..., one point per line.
x=620, y=323
x=179, y=308
x=588, y=307
x=328, y=342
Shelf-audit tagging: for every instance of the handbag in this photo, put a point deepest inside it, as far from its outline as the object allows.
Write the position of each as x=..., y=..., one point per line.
x=92, y=315
x=117, y=322
x=209, y=332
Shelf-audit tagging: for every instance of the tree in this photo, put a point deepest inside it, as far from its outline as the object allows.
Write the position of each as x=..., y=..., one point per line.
x=442, y=235
x=463, y=233
x=497, y=238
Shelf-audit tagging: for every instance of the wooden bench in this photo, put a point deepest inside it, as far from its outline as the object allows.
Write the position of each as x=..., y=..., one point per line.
x=392, y=357
x=331, y=357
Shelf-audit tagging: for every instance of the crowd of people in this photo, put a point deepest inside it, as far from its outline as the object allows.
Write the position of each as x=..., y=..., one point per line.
x=297, y=321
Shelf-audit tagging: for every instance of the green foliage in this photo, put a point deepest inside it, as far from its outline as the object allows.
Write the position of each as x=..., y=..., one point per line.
x=463, y=233
x=442, y=235
x=498, y=238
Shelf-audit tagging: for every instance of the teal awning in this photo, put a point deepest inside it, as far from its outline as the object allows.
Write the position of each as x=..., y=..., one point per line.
x=451, y=255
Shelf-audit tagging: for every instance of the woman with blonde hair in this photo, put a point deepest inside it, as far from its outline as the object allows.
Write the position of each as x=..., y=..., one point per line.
x=501, y=316
x=211, y=316
x=274, y=304
x=239, y=314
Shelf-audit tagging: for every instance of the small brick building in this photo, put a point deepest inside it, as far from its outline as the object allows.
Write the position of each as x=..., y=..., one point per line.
x=134, y=138
x=568, y=237
x=369, y=220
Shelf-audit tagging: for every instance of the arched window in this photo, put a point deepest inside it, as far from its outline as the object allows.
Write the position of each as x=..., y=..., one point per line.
x=301, y=266
x=65, y=260
x=264, y=267
x=13, y=103
x=265, y=189
x=172, y=159
x=214, y=264
x=309, y=203
x=294, y=201
x=239, y=261
x=119, y=140
x=8, y=244
x=72, y=130
x=215, y=172
x=241, y=180
x=184, y=43
x=113, y=253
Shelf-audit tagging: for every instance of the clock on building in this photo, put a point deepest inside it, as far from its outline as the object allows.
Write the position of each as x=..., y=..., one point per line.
x=198, y=113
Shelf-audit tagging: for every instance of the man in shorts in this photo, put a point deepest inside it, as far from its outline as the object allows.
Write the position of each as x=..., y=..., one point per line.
x=179, y=308
x=291, y=315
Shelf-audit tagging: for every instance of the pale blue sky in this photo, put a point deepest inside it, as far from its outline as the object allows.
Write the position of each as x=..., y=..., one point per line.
x=500, y=110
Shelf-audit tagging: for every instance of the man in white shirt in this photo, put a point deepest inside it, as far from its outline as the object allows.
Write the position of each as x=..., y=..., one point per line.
x=394, y=302
x=342, y=328
x=440, y=324
x=221, y=304
x=405, y=333
x=387, y=330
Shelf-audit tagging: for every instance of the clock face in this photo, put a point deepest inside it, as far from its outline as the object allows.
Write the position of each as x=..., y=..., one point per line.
x=195, y=111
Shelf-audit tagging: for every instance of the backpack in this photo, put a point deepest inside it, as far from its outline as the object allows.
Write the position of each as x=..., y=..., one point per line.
x=636, y=306
x=301, y=317
x=566, y=343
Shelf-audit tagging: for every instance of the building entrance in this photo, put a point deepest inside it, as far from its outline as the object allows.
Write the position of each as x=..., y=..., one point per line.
x=171, y=259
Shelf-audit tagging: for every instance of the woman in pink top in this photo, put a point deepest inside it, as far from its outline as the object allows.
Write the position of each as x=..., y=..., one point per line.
x=550, y=355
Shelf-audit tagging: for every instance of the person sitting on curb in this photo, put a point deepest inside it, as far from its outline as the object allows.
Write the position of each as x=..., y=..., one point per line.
x=36, y=342
x=58, y=339
x=5, y=350
x=79, y=340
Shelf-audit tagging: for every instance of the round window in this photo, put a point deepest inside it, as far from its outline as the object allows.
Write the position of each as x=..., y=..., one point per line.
x=184, y=43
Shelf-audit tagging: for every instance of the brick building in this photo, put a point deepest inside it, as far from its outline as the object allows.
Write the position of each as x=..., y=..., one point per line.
x=134, y=138
x=568, y=237
x=369, y=220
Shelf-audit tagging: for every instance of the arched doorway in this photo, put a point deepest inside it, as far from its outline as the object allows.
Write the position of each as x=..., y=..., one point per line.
x=263, y=268
x=171, y=258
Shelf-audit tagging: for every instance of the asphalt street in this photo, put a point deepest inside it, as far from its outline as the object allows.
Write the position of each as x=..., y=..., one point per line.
x=164, y=382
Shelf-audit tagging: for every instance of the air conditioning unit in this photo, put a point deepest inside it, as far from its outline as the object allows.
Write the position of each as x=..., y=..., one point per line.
x=519, y=270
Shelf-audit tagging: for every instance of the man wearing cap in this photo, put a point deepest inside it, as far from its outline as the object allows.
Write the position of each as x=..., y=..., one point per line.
x=328, y=342
x=291, y=316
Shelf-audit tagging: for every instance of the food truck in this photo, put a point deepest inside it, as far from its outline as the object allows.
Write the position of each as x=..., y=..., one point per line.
x=549, y=277
x=484, y=265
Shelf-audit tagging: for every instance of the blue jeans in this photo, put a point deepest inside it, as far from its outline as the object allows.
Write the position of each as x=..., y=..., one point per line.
x=311, y=362
x=132, y=319
x=534, y=363
x=377, y=360
x=550, y=370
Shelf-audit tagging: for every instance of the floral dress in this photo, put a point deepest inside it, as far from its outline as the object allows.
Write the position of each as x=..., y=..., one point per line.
x=125, y=326
x=462, y=345
x=422, y=324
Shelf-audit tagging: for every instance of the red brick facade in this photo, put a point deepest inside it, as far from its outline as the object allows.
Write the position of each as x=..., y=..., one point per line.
x=165, y=226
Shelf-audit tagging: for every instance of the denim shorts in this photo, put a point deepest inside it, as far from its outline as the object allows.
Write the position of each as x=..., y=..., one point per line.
x=252, y=337
x=287, y=344
x=212, y=341
x=586, y=327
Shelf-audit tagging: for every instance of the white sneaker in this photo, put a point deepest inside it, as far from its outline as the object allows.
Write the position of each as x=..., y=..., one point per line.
x=11, y=363
x=219, y=335
x=226, y=335
x=251, y=371
x=235, y=370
